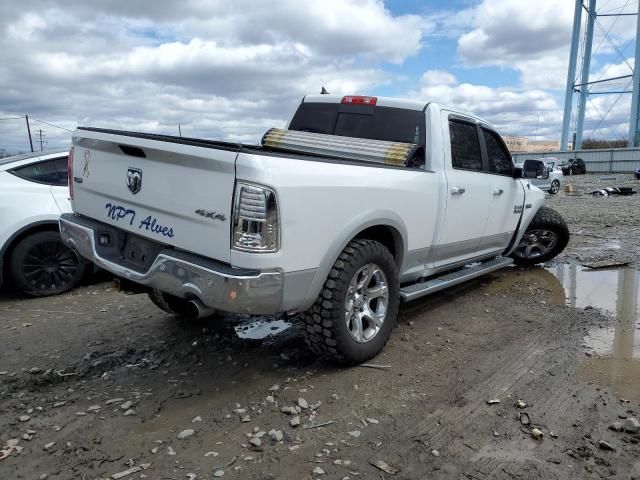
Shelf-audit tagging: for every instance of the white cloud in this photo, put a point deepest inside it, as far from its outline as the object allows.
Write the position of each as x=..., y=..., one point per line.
x=434, y=78
x=512, y=111
x=222, y=69
x=533, y=38
x=507, y=31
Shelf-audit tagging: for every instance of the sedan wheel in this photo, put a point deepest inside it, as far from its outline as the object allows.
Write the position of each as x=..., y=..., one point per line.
x=555, y=187
x=41, y=265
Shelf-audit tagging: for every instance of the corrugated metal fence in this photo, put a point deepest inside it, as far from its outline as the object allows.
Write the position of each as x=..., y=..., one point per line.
x=613, y=160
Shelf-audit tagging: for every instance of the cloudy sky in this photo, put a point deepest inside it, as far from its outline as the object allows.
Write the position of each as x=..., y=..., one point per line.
x=232, y=69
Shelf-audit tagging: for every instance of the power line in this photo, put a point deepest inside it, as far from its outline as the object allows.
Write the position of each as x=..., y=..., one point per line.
x=601, y=12
x=610, y=27
x=11, y=118
x=612, y=64
x=602, y=117
x=615, y=47
x=51, y=124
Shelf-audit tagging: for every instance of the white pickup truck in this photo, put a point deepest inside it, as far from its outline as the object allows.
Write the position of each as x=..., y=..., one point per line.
x=310, y=228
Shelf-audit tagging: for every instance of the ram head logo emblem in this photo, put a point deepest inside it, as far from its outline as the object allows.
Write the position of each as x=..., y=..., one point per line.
x=134, y=180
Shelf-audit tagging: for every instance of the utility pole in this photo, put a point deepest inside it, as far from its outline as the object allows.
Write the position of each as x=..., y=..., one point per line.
x=571, y=75
x=26, y=117
x=40, y=133
x=634, y=123
x=584, y=86
x=584, y=77
x=179, y=131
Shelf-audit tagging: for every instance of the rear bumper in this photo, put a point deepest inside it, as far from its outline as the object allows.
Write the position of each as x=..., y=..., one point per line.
x=189, y=276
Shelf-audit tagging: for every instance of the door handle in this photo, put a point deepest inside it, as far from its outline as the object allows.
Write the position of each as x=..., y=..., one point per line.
x=497, y=191
x=457, y=190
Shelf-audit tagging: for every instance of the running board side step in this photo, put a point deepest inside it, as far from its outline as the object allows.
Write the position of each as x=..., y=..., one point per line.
x=417, y=290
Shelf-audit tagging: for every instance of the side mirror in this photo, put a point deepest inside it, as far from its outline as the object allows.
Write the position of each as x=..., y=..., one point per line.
x=519, y=172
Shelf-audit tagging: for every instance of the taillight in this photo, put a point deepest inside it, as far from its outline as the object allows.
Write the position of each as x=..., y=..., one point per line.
x=359, y=100
x=255, y=219
x=70, y=172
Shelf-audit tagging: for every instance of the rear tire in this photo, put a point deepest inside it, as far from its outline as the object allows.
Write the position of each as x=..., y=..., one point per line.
x=546, y=237
x=555, y=187
x=41, y=265
x=352, y=319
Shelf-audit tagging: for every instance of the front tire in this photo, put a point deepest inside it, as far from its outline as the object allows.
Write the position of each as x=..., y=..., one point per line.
x=555, y=187
x=352, y=319
x=41, y=265
x=546, y=237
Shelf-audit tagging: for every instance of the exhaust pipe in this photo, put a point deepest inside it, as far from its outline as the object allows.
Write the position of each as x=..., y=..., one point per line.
x=196, y=309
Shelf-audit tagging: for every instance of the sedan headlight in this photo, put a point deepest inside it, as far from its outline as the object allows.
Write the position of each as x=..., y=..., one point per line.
x=255, y=219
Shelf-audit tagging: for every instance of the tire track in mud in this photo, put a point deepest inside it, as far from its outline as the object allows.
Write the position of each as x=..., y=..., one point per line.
x=519, y=372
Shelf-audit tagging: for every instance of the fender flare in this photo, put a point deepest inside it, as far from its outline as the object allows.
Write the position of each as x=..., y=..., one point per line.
x=31, y=226
x=523, y=224
x=376, y=218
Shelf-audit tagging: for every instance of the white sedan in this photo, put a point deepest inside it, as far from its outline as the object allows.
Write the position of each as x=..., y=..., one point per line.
x=33, y=194
x=544, y=175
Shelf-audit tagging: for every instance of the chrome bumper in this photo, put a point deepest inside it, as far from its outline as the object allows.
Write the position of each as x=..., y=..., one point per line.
x=254, y=293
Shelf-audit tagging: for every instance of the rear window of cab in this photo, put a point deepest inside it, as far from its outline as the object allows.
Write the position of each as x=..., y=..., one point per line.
x=361, y=121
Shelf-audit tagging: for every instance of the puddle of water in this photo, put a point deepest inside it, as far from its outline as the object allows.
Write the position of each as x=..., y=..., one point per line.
x=614, y=350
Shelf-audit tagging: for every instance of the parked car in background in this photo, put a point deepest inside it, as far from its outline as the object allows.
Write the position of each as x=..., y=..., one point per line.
x=552, y=163
x=638, y=173
x=543, y=175
x=574, y=166
x=33, y=194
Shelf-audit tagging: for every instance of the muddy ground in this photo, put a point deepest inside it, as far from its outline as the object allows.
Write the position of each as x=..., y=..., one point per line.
x=95, y=382
x=602, y=229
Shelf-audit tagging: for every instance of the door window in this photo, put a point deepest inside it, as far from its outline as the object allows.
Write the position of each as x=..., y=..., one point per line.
x=498, y=156
x=465, y=146
x=49, y=172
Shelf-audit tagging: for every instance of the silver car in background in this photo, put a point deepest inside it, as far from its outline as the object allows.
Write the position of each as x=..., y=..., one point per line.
x=548, y=176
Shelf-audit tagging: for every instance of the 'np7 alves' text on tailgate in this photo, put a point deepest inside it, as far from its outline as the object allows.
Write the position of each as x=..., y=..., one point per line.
x=187, y=194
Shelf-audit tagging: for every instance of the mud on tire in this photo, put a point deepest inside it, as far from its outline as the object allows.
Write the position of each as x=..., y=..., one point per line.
x=546, y=219
x=327, y=333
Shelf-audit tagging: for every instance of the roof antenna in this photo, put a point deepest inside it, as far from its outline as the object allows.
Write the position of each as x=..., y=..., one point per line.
x=324, y=91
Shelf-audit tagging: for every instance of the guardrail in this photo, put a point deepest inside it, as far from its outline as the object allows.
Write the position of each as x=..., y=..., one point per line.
x=612, y=160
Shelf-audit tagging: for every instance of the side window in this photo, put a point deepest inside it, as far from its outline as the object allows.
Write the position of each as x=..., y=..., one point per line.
x=499, y=157
x=465, y=146
x=50, y=172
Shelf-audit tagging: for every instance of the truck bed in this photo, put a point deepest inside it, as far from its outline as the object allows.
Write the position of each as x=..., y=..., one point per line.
x=240, y=147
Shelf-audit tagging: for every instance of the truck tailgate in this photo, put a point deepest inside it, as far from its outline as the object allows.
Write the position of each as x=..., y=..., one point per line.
x=174, y=193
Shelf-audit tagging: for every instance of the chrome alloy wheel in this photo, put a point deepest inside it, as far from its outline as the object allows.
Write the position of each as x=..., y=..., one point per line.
x=366, y=303
x=555, y=187
x=536, y=243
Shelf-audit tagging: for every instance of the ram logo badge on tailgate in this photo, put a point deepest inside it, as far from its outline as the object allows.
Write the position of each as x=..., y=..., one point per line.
x=134, y=179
